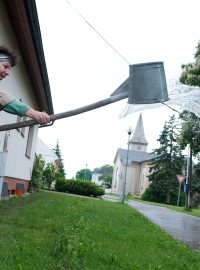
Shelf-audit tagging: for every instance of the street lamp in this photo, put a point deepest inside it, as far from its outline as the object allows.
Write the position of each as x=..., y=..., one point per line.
x=188, y=178
x=129, y=131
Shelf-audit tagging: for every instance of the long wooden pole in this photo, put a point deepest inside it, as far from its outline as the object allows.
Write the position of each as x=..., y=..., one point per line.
x=57, y=116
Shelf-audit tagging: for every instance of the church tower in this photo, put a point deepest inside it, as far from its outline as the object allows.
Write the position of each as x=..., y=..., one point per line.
x=138, y=141
x=133, y=165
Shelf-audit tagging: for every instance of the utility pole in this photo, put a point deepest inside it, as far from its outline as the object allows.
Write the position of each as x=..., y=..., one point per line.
x=124, y=187
x=189, y=177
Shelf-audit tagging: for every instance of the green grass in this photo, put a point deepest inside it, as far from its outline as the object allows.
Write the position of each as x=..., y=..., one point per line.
x=49, y=231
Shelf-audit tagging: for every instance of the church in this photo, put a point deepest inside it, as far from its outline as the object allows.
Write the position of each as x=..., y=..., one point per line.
x=131, y=166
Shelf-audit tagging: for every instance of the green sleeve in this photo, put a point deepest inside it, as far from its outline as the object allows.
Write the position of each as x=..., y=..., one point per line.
x=16, y=107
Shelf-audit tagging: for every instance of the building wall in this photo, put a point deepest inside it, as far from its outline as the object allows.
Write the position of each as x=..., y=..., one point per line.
x=130, y=179
x=95, y=178
x=18, y=165
x=136, y=177
x=138, y=147
x=117, y=179
x=42, y=149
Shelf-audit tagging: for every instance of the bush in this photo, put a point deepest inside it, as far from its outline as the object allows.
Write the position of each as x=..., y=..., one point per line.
x=153, y=195
x=80, y=187
x=36, y=178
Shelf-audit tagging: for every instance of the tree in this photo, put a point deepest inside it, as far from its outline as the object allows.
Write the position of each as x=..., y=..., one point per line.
x=57, y=151
x=85, y=174
x=36, y=179
x=196, y=178
x=106, y=180
x=190, y=136
x=191, y=71
x=105, y=169
x=190, y=132
x=191, y=76
x=106, y=177
x=49, y=174
x=168, y=162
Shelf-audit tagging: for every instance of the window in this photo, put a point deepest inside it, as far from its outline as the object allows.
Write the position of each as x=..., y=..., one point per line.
x=29, y=145
x=23, y=128
x=6, y=139
x=19, y=119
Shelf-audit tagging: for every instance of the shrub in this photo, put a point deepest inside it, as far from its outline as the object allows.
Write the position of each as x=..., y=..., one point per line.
x=36, y=178
x=153, y=195
x=157, y=196
x=81, y=187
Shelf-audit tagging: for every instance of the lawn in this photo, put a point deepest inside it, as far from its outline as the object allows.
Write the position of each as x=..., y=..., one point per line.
x=49, y=231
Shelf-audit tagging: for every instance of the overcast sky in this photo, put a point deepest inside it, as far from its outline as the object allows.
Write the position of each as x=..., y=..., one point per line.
x=83, y=69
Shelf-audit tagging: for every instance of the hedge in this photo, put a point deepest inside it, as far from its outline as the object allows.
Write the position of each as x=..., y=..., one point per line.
x=81, y=187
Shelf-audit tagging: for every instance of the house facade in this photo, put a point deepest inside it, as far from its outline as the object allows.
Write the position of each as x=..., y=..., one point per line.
x=19, y=27
x=47, y=154
x=95, y=178
x=132, y=164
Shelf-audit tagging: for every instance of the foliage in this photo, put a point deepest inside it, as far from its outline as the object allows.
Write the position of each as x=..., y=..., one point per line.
x=197, y=53
x=159, y=196
x=191, y=72
x=49, y=174
x=190, y=128
x=168, y=162
x=36, y=179
x=106, y=180
x=195, y=185
x=58, y=153
x=81, y=187
x=190, y=132
x=105, y=169
x=106, y=177
x=85, y=174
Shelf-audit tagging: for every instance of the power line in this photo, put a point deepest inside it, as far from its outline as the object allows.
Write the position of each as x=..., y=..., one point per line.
x=87, y=22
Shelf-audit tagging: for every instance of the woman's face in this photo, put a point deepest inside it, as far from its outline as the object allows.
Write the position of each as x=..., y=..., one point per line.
x=5, y=68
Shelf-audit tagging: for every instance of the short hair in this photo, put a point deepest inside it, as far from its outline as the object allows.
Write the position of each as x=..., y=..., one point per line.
x=10, y=53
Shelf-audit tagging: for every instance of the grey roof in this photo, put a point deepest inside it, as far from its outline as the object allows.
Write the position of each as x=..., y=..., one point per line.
x=138, y=135
x=134, y=156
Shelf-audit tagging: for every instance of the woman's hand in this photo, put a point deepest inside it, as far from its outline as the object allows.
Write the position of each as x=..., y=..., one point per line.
x=41, y=118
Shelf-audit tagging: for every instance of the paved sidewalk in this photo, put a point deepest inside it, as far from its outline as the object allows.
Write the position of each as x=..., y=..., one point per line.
x=181, y=226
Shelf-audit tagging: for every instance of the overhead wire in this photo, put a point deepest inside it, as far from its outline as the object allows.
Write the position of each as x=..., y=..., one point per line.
x=97, y=32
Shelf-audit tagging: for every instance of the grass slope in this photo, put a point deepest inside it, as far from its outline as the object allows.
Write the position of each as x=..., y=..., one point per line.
x=48, y=231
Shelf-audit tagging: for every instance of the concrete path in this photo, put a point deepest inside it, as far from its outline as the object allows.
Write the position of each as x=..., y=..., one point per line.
x=181, y=226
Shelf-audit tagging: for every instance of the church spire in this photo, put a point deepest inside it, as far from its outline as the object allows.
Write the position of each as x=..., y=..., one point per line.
x=138, y=141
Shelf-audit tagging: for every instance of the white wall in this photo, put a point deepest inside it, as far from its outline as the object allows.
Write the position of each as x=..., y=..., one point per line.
x=18, y=84
x=48, y=155
x=118, y=176
x=95, y=178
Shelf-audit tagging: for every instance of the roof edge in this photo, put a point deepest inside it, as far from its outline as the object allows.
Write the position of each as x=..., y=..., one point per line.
x=24, y=20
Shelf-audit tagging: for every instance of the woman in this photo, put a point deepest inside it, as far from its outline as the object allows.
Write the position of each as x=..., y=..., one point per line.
x=10, y=104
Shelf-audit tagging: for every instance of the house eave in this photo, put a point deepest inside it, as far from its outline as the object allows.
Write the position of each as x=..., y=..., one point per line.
x=24, y=20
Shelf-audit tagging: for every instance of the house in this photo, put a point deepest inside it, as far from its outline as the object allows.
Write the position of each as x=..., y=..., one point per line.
x=47, y=154
x=20, y=30
x=95, y=178
x=132, y=164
